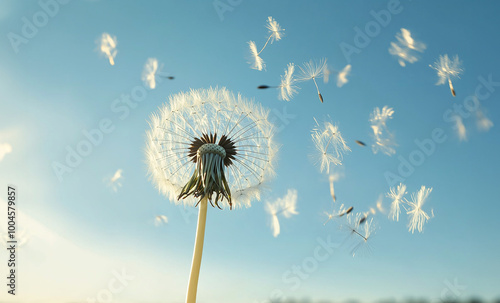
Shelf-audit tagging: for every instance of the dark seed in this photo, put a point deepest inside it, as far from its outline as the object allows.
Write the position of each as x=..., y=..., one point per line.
x=263, y=86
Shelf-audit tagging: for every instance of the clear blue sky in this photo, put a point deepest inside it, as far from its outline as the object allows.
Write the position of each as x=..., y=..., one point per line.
x=79, y=230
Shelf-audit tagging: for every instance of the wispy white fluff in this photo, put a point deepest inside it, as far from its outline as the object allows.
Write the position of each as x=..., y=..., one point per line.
x=397, y=197
x=160, y=220
x=286, y=206
x=329, y=145
x=342, y=75
x=287, y=85
x=149, y=73
x=275, y=30
x=483, y=123
x=188, y=115
x=383, y=138
x=256, y=61
x=405, y=47
x=448, y=69
x=107, y=46
x=115, y=181
x=418, y=217
x=460, y=128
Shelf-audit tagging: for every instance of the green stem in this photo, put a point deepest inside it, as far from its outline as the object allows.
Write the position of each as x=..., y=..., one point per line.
x=198, y=251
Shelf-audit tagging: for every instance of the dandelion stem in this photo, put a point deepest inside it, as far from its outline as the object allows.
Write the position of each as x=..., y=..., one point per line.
x=198, y=251
x=265, y=45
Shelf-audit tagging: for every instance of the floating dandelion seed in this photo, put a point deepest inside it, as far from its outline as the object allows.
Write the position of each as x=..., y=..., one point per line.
x=360, y=143
x=342, y=76
x=447, y=69
x=397, y=196
x=483, y=123
x=107, y=46
x=151, y=71
x=115, y=181
x=418, y=216
x=160, y=220
x=384, y=140
x=330, y=146
x=257, y=62
x=285, y=206
x=338, y=214
x=333, y=178
x=406, y=47
x=286, y=87
x=310, y=71
x=275, y=34
x=460, y=128
x=209, y=145
x=360, y=230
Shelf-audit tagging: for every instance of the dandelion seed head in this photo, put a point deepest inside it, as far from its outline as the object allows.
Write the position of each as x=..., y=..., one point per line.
x=287, y=87
x=329, y=146
x=214, y=119
x=418, y=217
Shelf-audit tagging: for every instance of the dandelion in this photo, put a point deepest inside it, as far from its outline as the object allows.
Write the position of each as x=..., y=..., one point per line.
x=310, y=71
x=333, y=178
x=418, y=216
x=285, y=206
x=460, y=128
x=286, y=87
x=329, y=144
x=107, y=46
x=397, y=196
x=342, y=75
x=160, y=220
x=208, y=145
x=257, y=62
x=447, y=69
x=404, y=49
x=384, y=140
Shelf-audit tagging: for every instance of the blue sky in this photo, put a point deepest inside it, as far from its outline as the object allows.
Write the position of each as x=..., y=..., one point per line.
x=81, y=232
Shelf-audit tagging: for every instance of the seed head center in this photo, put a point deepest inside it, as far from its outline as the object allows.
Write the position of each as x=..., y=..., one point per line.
x=212, y=149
